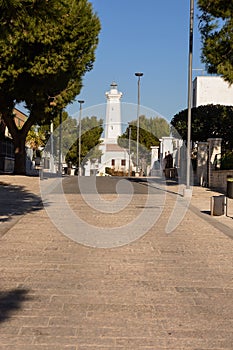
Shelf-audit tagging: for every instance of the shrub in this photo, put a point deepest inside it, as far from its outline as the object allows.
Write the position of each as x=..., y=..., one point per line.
x=227, y=161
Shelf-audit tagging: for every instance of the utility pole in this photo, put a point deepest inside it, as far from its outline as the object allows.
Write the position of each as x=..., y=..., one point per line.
x=139, y=75
x=129, y=148
x=79, y=137
x=187, y=191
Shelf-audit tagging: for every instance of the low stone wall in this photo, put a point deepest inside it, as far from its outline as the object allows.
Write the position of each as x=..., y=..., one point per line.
x=218, y=179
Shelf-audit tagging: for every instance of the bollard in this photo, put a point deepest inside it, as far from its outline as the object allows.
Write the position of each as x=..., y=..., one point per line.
x=41, y=173
x=217, y=205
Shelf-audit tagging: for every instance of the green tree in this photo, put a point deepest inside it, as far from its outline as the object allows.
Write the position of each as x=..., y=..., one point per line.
x=207, y=121
x=146, y=140
x=216, y=27
x=91, y=131
x=35, y=139
x=68, y=129
x=157, y=126
x=150, y=130
x=46, y=47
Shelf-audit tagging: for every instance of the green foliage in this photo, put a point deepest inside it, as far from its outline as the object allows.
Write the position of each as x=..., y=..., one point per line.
x=108, y=170
x=227, y=161
x=146, y=140
x=207, y=121
x=91, y=130
x=216, y=27
x=157, y=126
x=46, y=47
x=150, y=131
x=39, y=137
x=35, y=138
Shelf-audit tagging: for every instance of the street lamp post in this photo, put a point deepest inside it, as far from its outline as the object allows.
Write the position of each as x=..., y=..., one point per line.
x=129, y=148
x=52, y=103
x=79, y=137
x=60, y=144
x=187, y=190
x=139, y=75
x=51, y=148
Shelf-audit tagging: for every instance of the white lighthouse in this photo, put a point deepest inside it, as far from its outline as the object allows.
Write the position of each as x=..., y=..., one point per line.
x=114, y=159
x=113, y=114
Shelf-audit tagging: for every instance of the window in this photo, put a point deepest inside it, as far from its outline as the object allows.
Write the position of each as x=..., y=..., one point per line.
x=113, y=162
x=123, y=162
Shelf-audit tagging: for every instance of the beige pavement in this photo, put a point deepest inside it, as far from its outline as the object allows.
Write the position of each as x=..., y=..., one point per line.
x=163, y=291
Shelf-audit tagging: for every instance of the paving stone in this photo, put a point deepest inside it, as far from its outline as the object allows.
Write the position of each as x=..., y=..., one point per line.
x=163, y=291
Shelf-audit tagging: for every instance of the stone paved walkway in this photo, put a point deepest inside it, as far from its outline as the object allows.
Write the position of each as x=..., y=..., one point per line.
x=163, y=291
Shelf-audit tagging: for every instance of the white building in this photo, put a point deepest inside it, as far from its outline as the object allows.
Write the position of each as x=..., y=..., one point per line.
x=113, y=156
x=211, y=90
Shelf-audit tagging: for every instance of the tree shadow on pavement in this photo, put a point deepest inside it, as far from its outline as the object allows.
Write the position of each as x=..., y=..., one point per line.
x=16, y=200
x=11, y=301
x=161, y=184
x=108, y=184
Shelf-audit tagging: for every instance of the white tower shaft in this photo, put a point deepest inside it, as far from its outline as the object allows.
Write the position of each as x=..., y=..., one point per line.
x=113, y=114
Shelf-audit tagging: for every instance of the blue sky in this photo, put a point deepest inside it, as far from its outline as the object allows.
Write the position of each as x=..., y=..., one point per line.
x=148, y=36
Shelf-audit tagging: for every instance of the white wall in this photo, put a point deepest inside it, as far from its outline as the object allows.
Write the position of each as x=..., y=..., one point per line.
x=106, y=161
x=211, y=90
x=113, y=114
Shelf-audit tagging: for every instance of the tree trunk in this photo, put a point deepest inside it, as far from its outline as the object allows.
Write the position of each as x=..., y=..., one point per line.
x=20, y=154
x=19, y=138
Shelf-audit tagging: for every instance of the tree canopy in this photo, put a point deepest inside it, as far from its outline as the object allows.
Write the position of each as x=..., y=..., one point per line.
x=149, y=132
x=39, y=138
x=216, y=27
x=156, y=126
x=46, y=47
x=207, y=121
x=146, y=140
x=91, y=130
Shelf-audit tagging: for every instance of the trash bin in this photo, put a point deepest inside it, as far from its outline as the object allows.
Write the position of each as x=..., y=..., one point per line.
x=217, y=205
x=230, y=187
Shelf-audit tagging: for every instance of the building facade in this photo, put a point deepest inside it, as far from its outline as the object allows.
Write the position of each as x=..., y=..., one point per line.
x=211, y=90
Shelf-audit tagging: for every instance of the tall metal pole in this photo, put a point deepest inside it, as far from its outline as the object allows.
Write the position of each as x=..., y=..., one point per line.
x=52, y=103
x=139, y=75
x=189, y=94
x=60, y=144
x=129, y=147
x=79, y=137
x=51, y=148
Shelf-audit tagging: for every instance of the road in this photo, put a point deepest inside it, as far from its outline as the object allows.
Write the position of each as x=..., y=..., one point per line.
x=106, y=185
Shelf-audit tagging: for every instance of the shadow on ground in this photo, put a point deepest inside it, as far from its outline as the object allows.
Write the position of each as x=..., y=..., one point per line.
x=109, y=185
x=11, y=301
x=16, y=200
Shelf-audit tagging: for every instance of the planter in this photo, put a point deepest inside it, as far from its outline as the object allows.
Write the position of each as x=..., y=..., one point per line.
x=229, y=188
